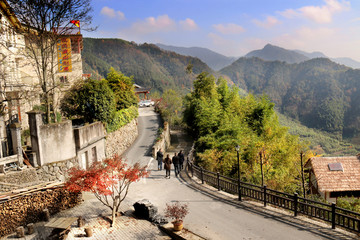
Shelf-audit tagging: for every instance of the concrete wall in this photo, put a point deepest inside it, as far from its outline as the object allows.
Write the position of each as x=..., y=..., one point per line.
x=57, y=142
x=90, y=144
x=51, y=142
x=117, y=142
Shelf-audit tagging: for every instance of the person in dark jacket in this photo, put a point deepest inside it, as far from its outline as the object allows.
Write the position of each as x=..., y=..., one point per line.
x=159, y=158
x=181, y=160
x=167, y=165
x=176, y=162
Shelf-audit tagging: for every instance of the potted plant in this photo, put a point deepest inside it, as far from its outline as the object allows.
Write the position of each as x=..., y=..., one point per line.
x=177, y=211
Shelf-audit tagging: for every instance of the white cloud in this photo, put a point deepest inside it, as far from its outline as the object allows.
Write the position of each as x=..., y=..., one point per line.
x=318, y=14
x=305, y=38
x=269, y=22
x=151, y=24
x=111, y=13
x=188, y=24
x=229, y=28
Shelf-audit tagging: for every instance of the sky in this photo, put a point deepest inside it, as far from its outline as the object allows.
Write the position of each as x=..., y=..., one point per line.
x=234, y=27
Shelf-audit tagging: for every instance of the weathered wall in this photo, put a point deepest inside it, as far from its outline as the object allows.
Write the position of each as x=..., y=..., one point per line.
x=118, y=141
x=57, y=142
x=28, y=208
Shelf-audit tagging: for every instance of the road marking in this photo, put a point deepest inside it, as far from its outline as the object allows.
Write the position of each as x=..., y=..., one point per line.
x=147, y=166
x=151, y=159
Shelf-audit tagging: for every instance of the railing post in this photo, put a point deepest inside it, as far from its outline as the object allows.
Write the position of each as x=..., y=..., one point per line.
x=218, y=180
x=265, y=196
x=295, y=204
x=333, y=210
x=192, y=170
x=239, y=189
x=202, y=175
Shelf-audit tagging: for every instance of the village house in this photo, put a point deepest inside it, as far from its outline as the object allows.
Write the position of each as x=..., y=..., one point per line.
x=20, y=91
x=19, y=82
x=334, y=177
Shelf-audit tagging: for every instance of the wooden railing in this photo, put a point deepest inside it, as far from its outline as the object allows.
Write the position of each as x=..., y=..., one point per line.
x=323, y=211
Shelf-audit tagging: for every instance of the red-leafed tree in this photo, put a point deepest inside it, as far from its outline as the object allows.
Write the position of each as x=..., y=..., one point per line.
x=108, y=180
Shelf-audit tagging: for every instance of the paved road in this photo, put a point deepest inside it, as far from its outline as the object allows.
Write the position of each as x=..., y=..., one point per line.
x=210, y=217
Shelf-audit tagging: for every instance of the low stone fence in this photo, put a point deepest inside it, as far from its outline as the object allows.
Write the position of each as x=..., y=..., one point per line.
x=119, y=141
x=57, y=171
x=28, y=207
x=17, y=179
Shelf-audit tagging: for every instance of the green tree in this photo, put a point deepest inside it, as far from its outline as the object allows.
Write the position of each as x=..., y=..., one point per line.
x=123, y=89
x=92, y=100
x=171, y=106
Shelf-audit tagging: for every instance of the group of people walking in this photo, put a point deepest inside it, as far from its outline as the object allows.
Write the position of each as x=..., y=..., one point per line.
x=177, y=160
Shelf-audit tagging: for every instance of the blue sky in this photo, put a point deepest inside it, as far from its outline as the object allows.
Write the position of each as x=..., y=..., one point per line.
x=234, y=27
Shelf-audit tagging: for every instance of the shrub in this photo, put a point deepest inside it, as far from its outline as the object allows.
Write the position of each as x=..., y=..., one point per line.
x=92, y=101
x=122, y=118
x=176, y=211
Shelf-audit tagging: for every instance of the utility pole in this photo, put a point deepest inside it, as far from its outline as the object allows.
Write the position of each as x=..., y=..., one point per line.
x=302, y=173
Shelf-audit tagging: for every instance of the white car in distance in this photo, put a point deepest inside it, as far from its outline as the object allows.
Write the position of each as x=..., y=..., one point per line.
x=146, y=103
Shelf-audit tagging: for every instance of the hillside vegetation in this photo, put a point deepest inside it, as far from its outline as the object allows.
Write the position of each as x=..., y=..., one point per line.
x=319, y=93
x=320, y=142
x=150, y=66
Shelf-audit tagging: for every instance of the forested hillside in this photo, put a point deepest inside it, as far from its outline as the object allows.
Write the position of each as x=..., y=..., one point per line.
x=319, y=93
x=150, y=66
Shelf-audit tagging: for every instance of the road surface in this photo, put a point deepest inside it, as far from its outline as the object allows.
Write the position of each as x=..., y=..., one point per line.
x=209, y=217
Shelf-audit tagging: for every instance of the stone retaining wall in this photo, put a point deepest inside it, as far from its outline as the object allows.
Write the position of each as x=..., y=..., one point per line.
x=119, y=141
x=57, y=171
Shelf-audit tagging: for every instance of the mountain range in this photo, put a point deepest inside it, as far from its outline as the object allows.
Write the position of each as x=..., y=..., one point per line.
x=275, y=53
x=270, y=52
x=317, y=92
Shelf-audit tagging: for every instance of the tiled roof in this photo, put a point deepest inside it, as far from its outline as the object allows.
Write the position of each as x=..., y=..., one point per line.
x=346, y=180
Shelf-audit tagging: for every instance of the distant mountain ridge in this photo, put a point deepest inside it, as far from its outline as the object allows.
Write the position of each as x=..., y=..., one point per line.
x=275, y=53
x=214, y=60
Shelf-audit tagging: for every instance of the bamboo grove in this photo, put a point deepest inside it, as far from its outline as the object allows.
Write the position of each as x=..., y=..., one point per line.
x=221, y=119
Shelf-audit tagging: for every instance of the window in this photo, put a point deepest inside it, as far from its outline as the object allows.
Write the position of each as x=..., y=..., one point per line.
x=94, y=155
x=75, y=45
x=64, y=79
